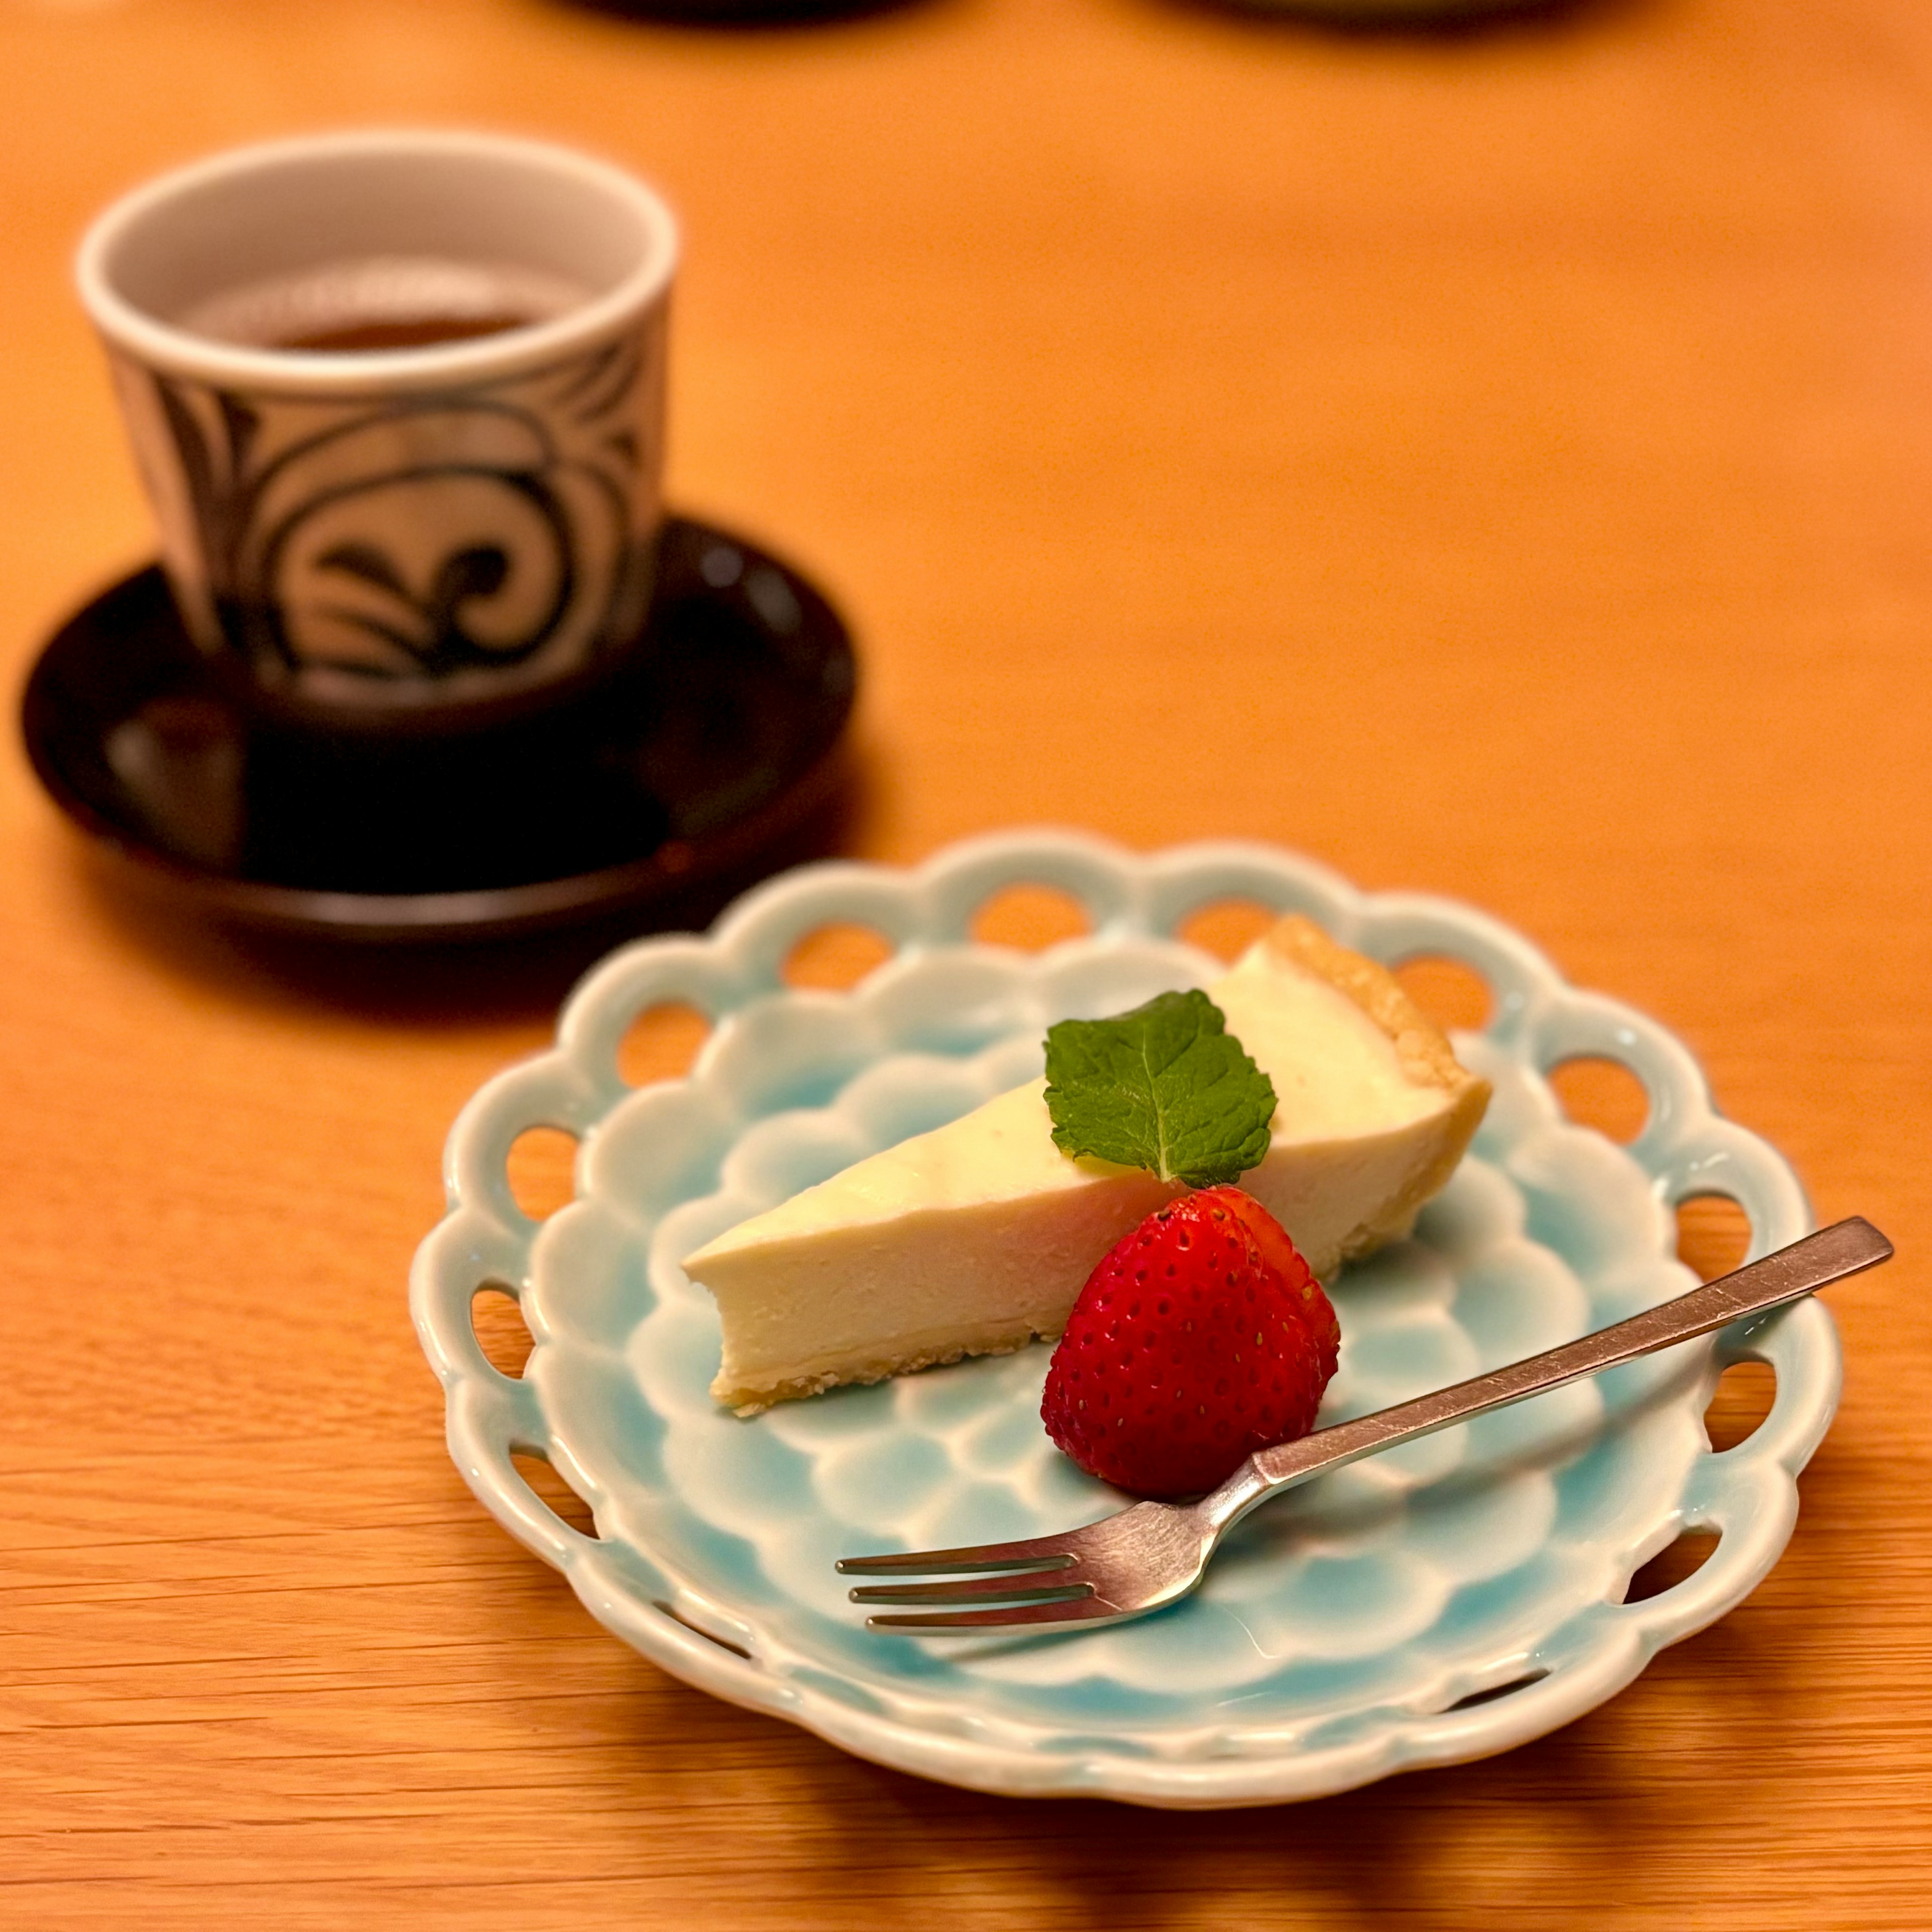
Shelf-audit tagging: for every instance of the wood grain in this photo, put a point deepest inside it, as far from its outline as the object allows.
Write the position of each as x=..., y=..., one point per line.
x=1497, y=463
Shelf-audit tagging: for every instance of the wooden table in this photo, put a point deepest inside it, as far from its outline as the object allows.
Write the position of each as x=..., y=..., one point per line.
x=1500, y=463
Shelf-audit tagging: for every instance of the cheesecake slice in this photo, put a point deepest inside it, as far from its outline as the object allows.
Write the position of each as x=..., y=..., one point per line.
x=976, y=1238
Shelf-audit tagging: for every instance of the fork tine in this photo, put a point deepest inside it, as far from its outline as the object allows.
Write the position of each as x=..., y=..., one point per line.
x=1041, y=1552
x=1027, y=1586
x=1060, y=1610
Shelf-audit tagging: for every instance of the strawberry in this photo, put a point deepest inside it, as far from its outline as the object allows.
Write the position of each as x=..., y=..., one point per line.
x=1188, y=1348
x=1282, y=1255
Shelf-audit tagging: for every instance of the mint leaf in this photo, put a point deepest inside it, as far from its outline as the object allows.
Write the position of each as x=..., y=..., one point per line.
x=1166, y=1087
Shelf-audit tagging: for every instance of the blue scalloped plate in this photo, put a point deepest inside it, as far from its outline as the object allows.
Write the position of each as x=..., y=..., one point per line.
x=1345, y=1631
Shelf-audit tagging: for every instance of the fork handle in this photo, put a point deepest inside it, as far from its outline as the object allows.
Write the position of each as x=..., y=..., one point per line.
x=1844, y=1248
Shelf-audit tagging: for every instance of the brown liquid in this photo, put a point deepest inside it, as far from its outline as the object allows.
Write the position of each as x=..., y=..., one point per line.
x=403, y=332
x=377, y=303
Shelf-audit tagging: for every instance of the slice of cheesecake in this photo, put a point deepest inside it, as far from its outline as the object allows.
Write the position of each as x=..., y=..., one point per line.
x=976, y=1238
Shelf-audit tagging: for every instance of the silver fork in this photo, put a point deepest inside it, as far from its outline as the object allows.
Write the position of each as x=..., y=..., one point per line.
x=1154, y=1554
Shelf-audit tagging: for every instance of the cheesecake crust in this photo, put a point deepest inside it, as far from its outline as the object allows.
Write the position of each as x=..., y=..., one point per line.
x=799, y=1380
x=1422, y=1050
x=1422, y=1047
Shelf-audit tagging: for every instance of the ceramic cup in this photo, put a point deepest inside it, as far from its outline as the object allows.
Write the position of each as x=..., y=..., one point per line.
x=397, y=398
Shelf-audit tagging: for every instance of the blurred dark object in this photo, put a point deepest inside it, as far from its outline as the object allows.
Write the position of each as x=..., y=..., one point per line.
x=704, y=753
x=738, y=13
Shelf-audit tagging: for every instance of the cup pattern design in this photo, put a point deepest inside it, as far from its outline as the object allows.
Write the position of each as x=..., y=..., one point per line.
x=378, y=548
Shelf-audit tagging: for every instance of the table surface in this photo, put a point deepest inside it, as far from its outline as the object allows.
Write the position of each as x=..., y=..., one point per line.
x=1497, y=463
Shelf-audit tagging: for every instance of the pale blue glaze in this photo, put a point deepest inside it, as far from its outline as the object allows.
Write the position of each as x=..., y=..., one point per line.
x=1341, y=1623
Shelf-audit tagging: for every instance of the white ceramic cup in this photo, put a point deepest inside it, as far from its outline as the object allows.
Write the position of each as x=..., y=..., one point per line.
x=429, y=534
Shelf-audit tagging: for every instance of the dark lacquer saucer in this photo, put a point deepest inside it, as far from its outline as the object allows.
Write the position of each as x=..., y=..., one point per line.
x=715, y=740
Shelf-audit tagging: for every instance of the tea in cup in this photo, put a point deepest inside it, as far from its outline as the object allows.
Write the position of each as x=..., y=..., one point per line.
x=397, y=398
